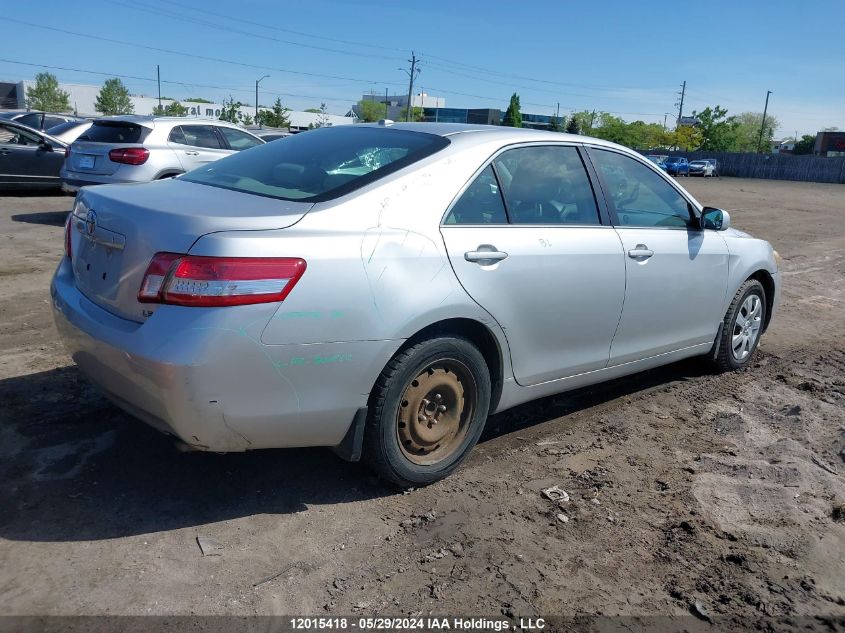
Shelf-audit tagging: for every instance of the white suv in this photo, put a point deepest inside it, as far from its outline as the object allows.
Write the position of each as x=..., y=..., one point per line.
x=124, y=149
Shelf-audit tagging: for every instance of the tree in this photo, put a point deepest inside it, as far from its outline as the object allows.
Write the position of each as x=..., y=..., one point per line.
x=585, y=120
x=46, y=94
x=513, y=116
x=171, y=109
x=572, y=126
x=718, y=130
x=313, y=110
x=231, y=110
x=323, y=119
x=197, y=100
x=687, y=138
x=555, y=124
x=747, y=131
x=371, y=111
x=114, y=99
x=276, y=117
x=417, y=114
x=806, y=145
x=247, y=119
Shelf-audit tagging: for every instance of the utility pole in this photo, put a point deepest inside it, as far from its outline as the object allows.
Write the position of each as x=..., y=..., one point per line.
x=557, y=117
x=683, y=93
x=158, y=76
x=763, y=122
x=258, y=81
x=414, y=70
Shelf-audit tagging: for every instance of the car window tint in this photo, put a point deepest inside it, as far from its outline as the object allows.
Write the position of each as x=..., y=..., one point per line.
x=640, y=196
x=201, y=136
x=30, y=120
x=16, y=136
x=52, y=121
x=481, y=203
x=546, y=185
x=176, y=136
x=114, y=132
x=319, y=164
x=239, y=140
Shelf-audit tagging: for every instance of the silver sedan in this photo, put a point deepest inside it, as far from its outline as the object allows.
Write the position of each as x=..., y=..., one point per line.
x=381, y=289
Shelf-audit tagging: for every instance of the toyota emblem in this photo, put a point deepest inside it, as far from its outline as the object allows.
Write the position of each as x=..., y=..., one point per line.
x=91, y=222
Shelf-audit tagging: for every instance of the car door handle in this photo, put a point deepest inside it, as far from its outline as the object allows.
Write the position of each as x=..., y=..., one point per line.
x=641, y=251
x=485, y=255
x=189, y=153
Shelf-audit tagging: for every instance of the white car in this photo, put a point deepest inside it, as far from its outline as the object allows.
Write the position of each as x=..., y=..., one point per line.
x=701, y=168
x=123, y=149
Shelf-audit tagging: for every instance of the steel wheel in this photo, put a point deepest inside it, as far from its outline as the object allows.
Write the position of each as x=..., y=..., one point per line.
x=746, y=329
x=435, y=411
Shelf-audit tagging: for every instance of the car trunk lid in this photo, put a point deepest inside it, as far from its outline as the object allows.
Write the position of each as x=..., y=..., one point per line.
x=90, y=152
x=118, y=228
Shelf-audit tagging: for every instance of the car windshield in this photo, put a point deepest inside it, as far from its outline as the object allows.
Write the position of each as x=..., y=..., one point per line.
x=698, y=163
x=319, y=164
x=673, y=160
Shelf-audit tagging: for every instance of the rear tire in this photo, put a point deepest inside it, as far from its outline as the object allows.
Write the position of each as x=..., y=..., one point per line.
x=742, y=327
x=427, y=410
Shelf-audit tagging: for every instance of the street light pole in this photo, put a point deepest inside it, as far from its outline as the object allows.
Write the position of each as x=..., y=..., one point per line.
x=258, y=81
x=763, y=122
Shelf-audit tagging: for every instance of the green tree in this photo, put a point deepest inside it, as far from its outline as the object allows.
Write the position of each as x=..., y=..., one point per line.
x=275, y=117
x=371, y=111
x=806, y=145
x=572, y=126
x=46, y=94
x=197, y=100
x=114, y=99
x=585, y=120
x=611, y=128
x=747, y=131
x=247, y=119
x=513, y=116
x=231, y=110
x=323, y=119
x=417, y=114
x=718, y=130
x=555, y=124
x=313, y=110
x=171, y=109
x=687, y=138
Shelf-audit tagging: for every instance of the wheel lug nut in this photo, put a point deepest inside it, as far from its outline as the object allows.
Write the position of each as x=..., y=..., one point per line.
x=441, y=408
x=438, y=397
x=421, y=418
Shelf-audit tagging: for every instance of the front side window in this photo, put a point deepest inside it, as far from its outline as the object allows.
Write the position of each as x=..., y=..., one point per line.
x=546, y=185
x=10, y=135
x=481, y=203
x=238, y=140
x=319, y=164
x=201, y=136
x=640, y=196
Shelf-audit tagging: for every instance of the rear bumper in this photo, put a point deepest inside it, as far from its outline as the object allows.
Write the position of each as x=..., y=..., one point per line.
x=72, y=186
x=204, y=376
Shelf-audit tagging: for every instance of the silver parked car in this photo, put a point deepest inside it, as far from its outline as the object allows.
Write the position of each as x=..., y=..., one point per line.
x=133, y=148
x=381, y=289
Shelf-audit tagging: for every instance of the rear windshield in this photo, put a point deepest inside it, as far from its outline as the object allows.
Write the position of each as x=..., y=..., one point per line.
x=64, y=127
x=115, y=132
x=319, y=164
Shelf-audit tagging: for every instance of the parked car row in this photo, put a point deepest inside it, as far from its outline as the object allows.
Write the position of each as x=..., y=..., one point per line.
x=680, y=166
x=121, y=149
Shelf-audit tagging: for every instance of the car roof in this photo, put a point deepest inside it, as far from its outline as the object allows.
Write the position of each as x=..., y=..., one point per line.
x=467, y=132
x=148, y=120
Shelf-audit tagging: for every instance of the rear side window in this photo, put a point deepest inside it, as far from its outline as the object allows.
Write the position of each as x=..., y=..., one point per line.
x=238, y=140
x=319, y=164
x=31, y=120
x=481, y=203
x=115, y=132
x=201, y=136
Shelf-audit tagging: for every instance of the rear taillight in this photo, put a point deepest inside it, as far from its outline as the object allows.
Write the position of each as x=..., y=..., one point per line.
x=67, y=152
x=68, y=225
x=129, y=155
x=190, y=280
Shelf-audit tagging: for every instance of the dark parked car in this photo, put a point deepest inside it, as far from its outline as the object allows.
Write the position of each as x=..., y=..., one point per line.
x=659, y=160
x=38, y=120
x=677, y=166
x=29, y=159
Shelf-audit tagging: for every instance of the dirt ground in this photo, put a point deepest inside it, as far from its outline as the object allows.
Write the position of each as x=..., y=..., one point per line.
x=685, y=487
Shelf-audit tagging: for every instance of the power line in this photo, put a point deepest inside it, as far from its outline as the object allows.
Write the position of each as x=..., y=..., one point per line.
x=230, y=29
x=192, y=55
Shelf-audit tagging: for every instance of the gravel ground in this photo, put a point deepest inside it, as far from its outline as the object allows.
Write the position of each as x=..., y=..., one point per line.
x=686, y=488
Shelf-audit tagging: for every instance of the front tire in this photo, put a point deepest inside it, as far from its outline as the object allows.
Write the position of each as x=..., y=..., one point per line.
x=427, y=410
x=742, y=327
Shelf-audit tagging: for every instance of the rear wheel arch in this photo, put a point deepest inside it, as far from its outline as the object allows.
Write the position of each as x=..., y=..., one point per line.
x=480, y=336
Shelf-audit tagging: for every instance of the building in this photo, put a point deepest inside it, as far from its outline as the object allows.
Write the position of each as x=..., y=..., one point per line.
x=830, y=144
x=396, y=104
x=83, y=98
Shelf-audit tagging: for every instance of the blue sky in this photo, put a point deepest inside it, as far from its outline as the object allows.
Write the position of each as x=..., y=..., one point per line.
x=628, y=58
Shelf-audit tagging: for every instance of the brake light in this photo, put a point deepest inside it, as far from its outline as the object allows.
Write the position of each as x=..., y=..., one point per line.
x=67, y=152
x=68, y=225
x=129, y=155
x=191, y=280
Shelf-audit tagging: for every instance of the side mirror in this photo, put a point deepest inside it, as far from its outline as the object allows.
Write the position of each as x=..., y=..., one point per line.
x=44, y=145
x=715, y=219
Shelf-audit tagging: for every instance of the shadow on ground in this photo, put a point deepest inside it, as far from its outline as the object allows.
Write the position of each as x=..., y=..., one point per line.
x=51, y=218
x=73, y=467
